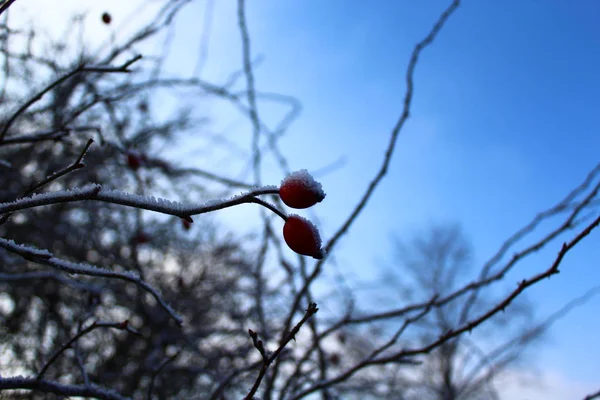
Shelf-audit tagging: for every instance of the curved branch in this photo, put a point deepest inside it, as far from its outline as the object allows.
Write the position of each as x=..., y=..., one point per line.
x=124, y=326
x=46, y=258
x=80, y=69
x=93, y=192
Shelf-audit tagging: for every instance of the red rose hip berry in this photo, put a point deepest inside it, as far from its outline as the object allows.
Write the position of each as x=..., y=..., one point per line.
x=302, y=236
x=134, y=161
x=300, y=190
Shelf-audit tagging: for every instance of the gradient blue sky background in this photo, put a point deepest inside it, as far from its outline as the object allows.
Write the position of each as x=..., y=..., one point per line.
x=504, y=123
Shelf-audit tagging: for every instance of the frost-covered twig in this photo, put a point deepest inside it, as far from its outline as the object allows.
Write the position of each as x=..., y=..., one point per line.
x=124, y=326
x=45, y=386
x=47, y=258
x=151, y=203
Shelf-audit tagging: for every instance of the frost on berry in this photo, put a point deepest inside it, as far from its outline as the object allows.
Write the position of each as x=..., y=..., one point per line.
x=303, y=237
x=300, y=190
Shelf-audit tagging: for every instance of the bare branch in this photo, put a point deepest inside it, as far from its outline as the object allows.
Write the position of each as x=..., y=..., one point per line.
x=46, y=258
x=124, y=326
x=267, y=360
x=80, y=69
x=45, y=136
x=94, y=193
x=158, y=370
x=251, y=94
x=42, y=385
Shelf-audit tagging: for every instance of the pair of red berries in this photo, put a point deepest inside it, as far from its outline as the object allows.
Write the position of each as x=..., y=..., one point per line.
x=300, y=190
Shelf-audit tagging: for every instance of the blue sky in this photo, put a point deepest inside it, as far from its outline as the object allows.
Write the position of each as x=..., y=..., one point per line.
x=504, y=123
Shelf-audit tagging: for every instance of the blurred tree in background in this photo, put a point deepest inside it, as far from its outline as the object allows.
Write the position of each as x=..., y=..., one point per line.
x=440, y=261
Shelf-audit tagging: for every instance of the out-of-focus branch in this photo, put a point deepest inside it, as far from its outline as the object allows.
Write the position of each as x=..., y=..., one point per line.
x=124, y=68
x=124, y=326
x=218, y=392
x=158, y=370
x=77, y=164
x=592, y=396
x=44, y=136
x=251, y=94
x=42, y=385
x=44, y=257
x=47, y=275
x=5, y=5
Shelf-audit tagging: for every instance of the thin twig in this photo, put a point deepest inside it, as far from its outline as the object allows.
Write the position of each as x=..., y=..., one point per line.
x=251, y=94
x=158, y=370
x=80, y=69
x=77, y=164
x=124, y=326
x=267, y=360
x=74, y=166
x=55, y=135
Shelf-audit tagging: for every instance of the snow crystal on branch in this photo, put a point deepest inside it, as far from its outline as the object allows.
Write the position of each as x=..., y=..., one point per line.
x=149, y=202
x=93, y=192
x=23, y=249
